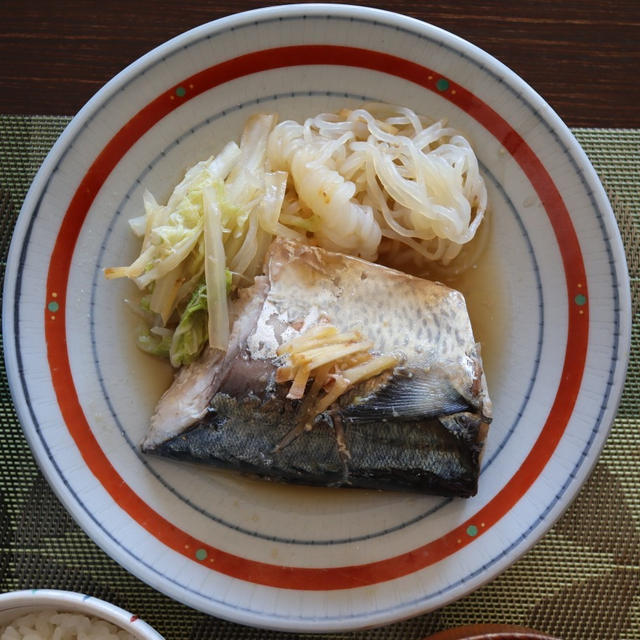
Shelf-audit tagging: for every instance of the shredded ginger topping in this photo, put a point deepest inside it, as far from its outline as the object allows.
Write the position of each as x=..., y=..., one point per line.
x=335, y=361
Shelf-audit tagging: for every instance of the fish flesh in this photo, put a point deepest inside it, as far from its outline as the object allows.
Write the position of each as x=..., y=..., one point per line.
x=419, y=425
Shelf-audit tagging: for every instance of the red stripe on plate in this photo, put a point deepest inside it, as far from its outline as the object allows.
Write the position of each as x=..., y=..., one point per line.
x=334, y=577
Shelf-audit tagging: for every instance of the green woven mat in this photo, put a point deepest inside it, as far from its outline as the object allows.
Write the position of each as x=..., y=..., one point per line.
x=580, y=582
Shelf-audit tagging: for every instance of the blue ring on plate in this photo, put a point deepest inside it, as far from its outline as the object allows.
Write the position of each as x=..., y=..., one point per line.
x=424, y=598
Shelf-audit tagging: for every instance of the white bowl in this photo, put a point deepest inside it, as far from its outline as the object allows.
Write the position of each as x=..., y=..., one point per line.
x=15, y=604
x=295, y=558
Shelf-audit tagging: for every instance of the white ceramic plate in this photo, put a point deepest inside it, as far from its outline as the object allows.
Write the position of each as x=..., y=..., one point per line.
x=289, y=557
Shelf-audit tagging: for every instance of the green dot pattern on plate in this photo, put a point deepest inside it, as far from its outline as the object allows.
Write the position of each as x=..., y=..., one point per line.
x=472, y=530
x=201, y=554
x=180, y=92
x=53, y=306
x=580, y=300
x=442, y=84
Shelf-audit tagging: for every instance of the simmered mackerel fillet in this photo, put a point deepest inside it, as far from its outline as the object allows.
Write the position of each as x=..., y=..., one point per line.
x=419, y=425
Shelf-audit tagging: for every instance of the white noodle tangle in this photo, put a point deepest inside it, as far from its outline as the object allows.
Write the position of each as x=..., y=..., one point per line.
x=381, y=170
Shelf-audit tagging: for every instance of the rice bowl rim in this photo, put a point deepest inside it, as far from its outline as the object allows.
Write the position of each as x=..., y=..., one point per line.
x=16, y=604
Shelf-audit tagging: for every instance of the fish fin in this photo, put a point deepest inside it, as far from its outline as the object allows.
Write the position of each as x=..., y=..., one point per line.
x=409, y=394
x=467, y=427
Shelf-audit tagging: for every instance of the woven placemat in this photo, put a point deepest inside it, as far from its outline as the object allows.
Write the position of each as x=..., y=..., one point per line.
x=580, y=582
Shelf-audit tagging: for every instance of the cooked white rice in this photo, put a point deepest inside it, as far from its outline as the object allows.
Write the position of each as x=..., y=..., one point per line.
x=52, y=625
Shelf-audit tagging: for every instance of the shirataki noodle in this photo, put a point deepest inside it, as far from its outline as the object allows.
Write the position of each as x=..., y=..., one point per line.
x=380, y=171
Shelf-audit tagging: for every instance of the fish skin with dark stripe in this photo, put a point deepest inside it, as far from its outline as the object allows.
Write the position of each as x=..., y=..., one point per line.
x=418, y=427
